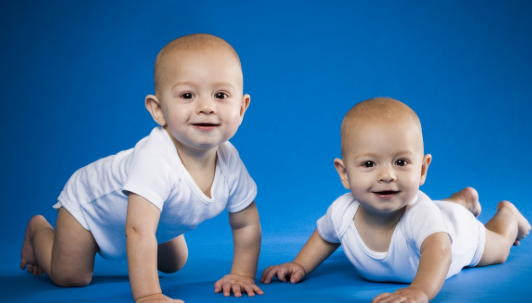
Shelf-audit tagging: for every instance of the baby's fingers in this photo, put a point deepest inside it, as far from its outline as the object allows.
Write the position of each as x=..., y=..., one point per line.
x=218, y=285
x=236, y=290
x=297, y=276
x=381, y=298
x=37, y=271
x=248, y=289
x=227, y=288
x=257, y=289
x=268, y=274
x=265, y=273
x=282, y=273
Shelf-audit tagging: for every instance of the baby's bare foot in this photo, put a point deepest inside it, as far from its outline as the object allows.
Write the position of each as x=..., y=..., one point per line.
x=468, y=198
x=27, y=257
x=523, y=227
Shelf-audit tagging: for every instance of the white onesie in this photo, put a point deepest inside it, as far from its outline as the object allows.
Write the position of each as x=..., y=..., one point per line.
x=422, y=218
x=96, y=195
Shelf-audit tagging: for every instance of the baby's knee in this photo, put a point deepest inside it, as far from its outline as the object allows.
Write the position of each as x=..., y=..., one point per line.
x=172, y=255
x=71, y=279
x=171, y=266
x=502, y=257
x=182, y=260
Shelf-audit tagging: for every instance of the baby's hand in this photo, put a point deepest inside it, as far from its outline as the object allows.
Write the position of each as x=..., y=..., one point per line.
x=158, y=298
x=294, y=271
x=237, y=284
x=406, y=295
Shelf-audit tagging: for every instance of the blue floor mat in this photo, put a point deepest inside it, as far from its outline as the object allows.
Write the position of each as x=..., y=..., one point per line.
x=334, y=281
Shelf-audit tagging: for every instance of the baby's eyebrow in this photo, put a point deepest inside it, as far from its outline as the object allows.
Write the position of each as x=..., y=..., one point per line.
x=184, y=83
x=215, y=84
x=223, y=83
x=366, y=155
x=403, y=152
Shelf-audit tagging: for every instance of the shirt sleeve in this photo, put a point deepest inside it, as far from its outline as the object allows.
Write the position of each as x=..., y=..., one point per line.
x=424, y=219
x=326, y=226
x=243, y=189
x=150, y=177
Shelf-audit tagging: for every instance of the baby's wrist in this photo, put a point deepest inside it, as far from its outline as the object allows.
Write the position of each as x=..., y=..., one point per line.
x=421, y=291
x=144, y=298
x=243, y=275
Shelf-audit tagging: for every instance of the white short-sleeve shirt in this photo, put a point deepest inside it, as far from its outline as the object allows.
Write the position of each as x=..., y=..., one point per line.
x=422, y=218
x=96, y=195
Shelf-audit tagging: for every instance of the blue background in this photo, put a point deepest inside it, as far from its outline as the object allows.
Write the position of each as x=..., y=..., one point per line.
x=74, y=75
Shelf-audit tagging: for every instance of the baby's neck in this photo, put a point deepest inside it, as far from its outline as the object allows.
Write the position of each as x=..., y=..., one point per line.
x=378, y=220
x=200, y=164
x=194, y=158
x=376, y=229
x=197, y=161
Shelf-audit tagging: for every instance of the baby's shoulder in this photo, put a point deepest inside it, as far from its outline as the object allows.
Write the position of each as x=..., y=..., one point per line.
x=333, y=225
x=421, y=205
x=422, y=218
x=343, y=202
x=228, y=153
x=422, y=211
x=158, y=141
x=343, y=209
x=156, y=152
x=229, y=160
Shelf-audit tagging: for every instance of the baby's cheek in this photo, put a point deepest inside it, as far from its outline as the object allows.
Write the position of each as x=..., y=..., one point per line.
x=233, y=122
x=412, y=185
x=358, y=185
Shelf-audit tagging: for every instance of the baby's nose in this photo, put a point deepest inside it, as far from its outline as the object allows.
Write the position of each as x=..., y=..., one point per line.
x=387, y=175
x=206, y=106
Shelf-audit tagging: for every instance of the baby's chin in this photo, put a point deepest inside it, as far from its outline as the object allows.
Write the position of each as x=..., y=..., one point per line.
x=207, y=144
x=385, y=202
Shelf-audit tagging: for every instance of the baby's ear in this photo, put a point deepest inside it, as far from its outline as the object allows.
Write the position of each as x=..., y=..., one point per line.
x=424, y=168
x=244, y=104
x=342, y=172
x=154, y=107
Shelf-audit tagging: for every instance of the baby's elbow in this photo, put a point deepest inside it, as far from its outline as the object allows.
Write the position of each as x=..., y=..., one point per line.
x=440, y=245
x=130, y=230
x=245, y=223
x=135, y=231
x=445, y=251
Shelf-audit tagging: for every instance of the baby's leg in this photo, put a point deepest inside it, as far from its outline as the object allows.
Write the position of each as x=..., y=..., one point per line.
x=65, y=254
x=468, y=198
x=172, y=255
x=505, y=229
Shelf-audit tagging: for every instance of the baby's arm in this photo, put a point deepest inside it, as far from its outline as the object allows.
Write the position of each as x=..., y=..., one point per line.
x=141, y=246
x=313, y=253
x=246, y=238
x=434, y=264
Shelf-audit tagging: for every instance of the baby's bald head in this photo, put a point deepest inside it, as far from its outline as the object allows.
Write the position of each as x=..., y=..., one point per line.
x=195, y=43
x=380, y=110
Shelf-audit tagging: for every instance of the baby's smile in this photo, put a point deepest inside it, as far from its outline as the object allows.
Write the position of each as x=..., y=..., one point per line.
x=205, y=126
x=386, y=194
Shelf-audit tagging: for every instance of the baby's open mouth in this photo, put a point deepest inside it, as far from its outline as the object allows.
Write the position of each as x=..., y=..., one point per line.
x=386, y=192
x=205, y=124
x=205, y=127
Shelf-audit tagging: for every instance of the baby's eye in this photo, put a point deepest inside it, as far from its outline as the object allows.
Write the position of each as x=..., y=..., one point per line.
x=220, y=95
x=187, y=96
x=368, y=164
x=401, y=162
